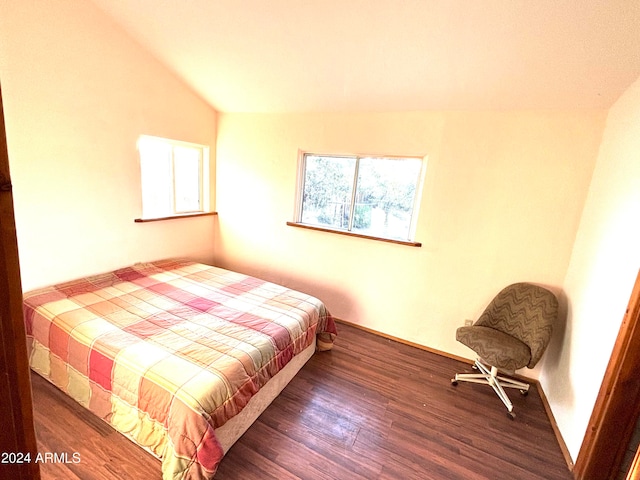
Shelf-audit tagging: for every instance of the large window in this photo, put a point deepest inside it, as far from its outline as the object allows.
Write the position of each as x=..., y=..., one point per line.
x=175, y=177
x=365, y=195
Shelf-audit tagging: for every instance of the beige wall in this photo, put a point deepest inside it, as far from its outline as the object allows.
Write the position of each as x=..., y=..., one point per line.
x=601, y=274
x=502, y=201
x=77, y=94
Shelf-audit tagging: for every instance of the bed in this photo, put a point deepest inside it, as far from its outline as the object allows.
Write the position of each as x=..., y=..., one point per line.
x=178, y=356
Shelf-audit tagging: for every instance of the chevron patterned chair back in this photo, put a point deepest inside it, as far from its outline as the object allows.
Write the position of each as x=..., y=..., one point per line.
x=512, y=333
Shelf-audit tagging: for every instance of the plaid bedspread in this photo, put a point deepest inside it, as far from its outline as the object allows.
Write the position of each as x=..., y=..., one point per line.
x=168, y=351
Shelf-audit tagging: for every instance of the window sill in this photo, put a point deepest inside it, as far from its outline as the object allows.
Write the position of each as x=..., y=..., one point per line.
x=351, y=234
x=173, y=217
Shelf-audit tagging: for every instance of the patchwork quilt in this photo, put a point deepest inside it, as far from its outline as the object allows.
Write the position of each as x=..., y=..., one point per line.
x=168, y=351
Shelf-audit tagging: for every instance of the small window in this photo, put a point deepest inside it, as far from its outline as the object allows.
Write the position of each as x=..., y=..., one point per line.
x=365, y=195
x=174, y=177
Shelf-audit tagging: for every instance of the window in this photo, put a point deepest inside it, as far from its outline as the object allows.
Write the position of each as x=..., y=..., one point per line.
x=364, y=195
x=175, y=177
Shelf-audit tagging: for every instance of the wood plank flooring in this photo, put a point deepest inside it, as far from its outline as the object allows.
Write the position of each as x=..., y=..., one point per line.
x=371, y=408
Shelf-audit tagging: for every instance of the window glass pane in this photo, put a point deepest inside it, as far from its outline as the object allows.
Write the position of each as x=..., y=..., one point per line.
x=385, y=196
x=174, y=177
x=155, y=169
x=186, y=177
x=327, y=191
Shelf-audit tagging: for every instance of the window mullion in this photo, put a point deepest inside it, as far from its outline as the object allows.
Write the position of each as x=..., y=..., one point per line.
x=417, y=198
x=173, y=179
x=352, y=211
x=301, y=187
x=201, y=180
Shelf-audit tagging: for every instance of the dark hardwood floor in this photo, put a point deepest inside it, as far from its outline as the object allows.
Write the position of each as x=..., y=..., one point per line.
x=371, y=408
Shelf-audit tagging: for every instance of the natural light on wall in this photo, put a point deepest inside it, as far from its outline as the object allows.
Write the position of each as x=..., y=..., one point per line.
x=174, y=177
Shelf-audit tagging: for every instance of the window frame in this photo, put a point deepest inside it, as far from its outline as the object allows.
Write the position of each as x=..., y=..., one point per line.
x=204, y=187
x=300, y=183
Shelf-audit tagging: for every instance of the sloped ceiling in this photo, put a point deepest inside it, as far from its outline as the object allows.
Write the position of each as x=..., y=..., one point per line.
x=392, y=55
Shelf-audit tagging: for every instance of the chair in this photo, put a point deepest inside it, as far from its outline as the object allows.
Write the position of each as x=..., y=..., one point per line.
x=512, y=333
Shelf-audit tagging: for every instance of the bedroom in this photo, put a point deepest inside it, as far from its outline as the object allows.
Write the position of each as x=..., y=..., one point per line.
x=75, y=81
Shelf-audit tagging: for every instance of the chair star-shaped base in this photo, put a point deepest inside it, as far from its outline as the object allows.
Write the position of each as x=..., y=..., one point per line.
x=489, y=376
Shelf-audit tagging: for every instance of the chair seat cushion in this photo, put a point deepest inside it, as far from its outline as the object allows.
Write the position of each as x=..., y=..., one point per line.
x=495, y=347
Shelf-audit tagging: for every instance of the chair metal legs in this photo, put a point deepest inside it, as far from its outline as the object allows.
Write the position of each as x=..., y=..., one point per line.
x=489, y=376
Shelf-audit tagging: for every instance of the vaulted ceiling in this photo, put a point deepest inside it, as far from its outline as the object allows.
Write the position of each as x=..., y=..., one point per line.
x=392, y=55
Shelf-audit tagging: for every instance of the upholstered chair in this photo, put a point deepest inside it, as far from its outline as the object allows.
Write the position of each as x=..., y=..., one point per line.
x=512, y=333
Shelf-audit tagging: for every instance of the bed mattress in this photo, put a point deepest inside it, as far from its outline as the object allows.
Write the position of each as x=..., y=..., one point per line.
x=167, y=352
